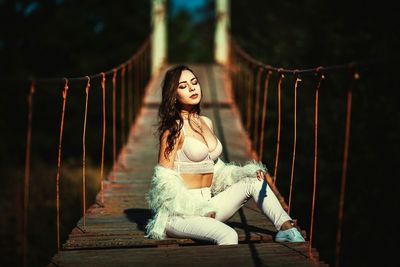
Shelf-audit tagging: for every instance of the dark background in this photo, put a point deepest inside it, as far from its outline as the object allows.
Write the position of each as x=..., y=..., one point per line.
x=77, y=38
x=307, y=34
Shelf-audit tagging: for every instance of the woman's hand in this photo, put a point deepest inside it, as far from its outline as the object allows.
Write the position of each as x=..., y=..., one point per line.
x=260, y=175
x=211, y=214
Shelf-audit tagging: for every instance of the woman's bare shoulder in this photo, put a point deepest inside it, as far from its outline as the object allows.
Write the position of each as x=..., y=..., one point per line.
x=167, y=132
x=168, y=160
x=178, y=137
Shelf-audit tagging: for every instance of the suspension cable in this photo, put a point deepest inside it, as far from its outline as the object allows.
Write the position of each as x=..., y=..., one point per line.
x=249, y=98
x=103, y=142
x=123, y=105
x=264, y=115
x=297, y=80
x=278, y=138
x=255, y=132
x=84, y=156
x=114, y=124
x=356, y=77
x=27, y=172
x=137, y=90
x=130, y=100
x=321, y=77
x=64, y=96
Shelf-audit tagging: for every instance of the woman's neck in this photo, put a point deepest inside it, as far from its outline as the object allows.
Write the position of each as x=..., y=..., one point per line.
x=185, y=114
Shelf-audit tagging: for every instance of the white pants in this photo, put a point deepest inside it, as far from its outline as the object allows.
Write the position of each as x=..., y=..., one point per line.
x=227, y=203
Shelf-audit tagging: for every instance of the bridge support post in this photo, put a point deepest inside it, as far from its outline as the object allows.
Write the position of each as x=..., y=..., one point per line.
x=159, y=35
x=221, y=46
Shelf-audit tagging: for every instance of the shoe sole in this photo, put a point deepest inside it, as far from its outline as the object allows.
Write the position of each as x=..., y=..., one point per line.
x=287, y=240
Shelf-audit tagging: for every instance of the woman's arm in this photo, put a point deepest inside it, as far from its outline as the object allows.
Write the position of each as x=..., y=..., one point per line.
x=168, y=162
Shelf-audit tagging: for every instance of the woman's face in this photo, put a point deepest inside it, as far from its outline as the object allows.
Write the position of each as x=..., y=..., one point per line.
x=188, y=91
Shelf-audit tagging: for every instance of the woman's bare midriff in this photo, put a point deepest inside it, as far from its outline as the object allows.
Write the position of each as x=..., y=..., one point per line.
x=197, y=180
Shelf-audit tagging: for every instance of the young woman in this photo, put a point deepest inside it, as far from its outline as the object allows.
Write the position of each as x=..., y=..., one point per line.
x=191, y=195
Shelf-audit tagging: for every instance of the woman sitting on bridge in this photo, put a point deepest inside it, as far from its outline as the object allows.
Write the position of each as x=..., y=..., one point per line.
x=191, y=196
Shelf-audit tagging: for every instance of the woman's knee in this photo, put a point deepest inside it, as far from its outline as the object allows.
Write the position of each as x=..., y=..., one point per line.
x=259, y=186
x=250, y=185
x=230, y=237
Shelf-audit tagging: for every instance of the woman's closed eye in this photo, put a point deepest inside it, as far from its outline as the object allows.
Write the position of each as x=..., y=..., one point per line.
x=183, y=85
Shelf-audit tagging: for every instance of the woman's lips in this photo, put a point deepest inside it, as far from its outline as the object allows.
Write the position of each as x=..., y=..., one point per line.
x=194, y=96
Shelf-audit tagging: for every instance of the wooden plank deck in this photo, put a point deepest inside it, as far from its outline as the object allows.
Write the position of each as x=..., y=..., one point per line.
x=114, y=233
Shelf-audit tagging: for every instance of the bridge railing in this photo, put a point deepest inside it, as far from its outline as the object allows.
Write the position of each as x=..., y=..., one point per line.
x=279, y=105
x=110, y=101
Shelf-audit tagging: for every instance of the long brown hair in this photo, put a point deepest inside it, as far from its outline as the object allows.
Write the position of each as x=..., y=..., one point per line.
x=170, y=109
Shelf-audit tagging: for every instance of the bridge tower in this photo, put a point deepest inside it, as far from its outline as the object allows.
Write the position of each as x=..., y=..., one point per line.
x=159, y=35
x=221, y=35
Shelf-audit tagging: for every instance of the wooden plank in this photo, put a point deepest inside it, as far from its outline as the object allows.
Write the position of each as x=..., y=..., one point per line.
x=264, y=254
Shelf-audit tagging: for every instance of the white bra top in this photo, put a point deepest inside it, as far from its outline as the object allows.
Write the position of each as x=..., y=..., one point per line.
x=194, y=156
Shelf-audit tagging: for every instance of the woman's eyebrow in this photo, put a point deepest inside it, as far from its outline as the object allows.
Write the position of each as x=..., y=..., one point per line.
x=186, y=81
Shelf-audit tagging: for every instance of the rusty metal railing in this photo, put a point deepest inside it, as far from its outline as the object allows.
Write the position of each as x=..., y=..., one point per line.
x=128, y=93
x=252, y=90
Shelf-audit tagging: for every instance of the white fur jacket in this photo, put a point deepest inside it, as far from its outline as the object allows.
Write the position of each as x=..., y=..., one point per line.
x=169, y=196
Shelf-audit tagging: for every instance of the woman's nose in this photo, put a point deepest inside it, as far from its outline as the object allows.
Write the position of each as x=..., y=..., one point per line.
x=191, y=87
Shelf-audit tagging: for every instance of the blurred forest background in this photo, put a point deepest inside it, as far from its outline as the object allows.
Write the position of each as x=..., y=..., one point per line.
x=69, y=38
